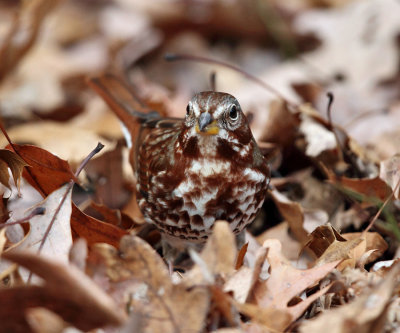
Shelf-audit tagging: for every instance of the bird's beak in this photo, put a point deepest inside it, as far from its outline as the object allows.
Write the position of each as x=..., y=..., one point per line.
x=207, y=125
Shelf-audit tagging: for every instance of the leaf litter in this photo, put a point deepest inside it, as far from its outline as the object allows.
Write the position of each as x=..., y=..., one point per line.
x=324, y=250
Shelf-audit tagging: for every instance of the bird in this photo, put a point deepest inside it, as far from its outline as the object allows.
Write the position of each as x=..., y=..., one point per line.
x=193, y=171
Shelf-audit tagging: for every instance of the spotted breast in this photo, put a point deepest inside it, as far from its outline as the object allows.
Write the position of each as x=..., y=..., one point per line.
x=205, y=168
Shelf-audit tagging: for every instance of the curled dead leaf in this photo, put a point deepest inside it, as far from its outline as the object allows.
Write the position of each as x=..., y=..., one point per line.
x=328, y=245
x=10, y=160
x=365, y=314
x=87, y=307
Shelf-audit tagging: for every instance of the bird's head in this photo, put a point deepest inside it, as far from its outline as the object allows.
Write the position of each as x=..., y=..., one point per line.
x=218, y=115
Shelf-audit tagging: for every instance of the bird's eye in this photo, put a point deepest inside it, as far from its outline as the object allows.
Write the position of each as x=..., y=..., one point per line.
x=233, y=113
x=188, y=109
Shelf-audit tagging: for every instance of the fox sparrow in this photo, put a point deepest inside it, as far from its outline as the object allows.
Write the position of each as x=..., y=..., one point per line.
x=191, y=172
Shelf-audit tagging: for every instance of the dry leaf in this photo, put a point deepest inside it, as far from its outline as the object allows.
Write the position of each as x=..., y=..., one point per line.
x=374, y=188
x=282, y=125
x=240, y=284
x=67, y=292
x=47, y=173
x=139, y=278
x=23, y=33
x=107, y=173
x=359, y=90
x=112, y=216
x=59, y=240
x=240, y=256
x=291, y=248
x=271, y=318
x=318, y=137
x=390, y=173
x=286, y=282
x=374, y=242
x=217, y=258
x=293, y=214
x=242, y=281
x=322, y=237
x=364, y=314
x=3, y=240
x=57, y=243
x=62, y=139
x=329, y=246
x=222, y=308
x=78, y=254
x=301, y=221
x=9, y=159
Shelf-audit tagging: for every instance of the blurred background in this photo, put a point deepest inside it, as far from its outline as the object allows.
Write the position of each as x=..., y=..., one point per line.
x=301, y=48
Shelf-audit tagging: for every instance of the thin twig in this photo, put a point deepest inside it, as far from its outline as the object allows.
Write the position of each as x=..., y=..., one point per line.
x=35, y=212
x=99, y=147
x=8, y=139
x=190, y=57
x=370, y=113
x=329, y=114
x=213, y=81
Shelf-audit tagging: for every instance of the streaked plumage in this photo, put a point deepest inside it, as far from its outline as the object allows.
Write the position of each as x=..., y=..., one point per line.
x=191, y=172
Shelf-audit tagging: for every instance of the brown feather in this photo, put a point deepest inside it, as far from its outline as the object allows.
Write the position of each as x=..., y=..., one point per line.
x=188, y=178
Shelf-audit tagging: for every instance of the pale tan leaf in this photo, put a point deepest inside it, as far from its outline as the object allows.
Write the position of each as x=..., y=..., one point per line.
x=242, y=281
x=219, y=255
x=373, y=242
x=139, y=279
x=62, y=139
x=286, y=282
x=292, y=248
x=271, y=318
x=293, y=214
x=59, y=240
x=390, y=172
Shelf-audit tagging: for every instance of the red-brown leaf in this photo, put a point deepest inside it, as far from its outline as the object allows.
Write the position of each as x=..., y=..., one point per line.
x=47, y=173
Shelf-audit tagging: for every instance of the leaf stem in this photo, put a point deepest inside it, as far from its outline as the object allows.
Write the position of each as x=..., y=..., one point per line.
x=69, y=187
x=329, y=114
